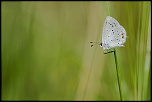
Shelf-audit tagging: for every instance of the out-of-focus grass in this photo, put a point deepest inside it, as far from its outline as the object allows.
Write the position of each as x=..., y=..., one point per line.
x=46, y=53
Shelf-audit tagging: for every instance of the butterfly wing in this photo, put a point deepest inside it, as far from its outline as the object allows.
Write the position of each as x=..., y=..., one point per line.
x=120, y=37
x=109, y=24
x=117, y=37
x=113, y=35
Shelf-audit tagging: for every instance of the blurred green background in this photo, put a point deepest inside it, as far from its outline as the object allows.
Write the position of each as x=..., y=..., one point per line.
x=46, y=54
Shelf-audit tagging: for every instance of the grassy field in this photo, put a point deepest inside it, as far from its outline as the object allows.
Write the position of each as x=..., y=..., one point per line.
x=46, y=54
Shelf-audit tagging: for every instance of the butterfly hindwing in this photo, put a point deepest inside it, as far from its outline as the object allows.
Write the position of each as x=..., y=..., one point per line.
x=117, y=37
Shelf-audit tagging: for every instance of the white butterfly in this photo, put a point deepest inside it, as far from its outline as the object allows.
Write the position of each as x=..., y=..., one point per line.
x=113, y=34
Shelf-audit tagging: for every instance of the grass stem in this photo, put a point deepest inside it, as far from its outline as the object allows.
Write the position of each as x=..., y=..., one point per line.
x=117, y=74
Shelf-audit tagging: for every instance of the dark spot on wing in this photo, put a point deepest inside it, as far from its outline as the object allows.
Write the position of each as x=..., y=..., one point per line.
x=114, y=24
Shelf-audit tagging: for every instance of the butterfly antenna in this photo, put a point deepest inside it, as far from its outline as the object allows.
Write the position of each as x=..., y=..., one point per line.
x=94, y=43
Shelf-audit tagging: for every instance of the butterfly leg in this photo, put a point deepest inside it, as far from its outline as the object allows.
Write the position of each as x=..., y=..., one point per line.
x=109, y=51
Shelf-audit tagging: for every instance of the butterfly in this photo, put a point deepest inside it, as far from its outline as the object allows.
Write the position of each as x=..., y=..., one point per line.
x=113, y=35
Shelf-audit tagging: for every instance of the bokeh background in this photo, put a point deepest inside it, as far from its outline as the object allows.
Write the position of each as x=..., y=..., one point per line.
x=46, y=54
